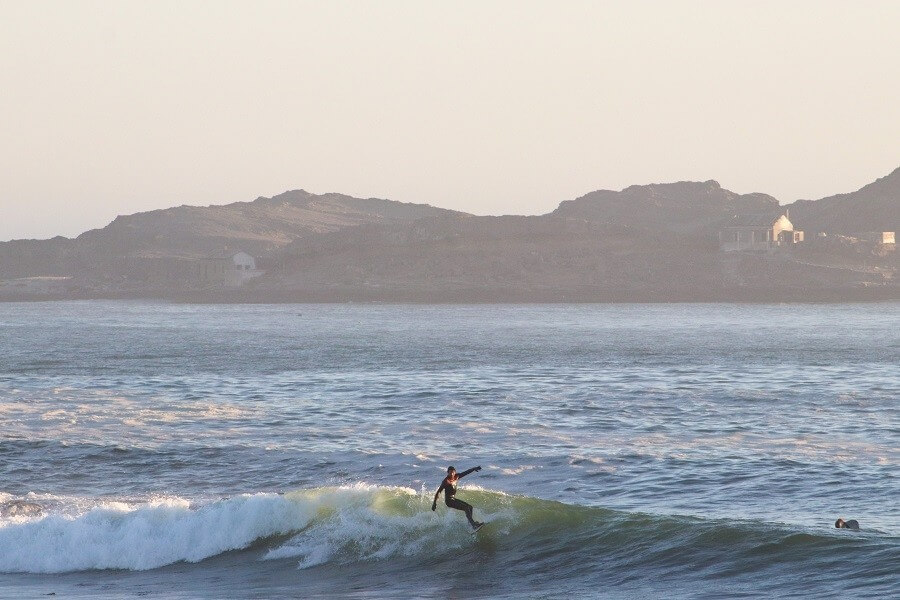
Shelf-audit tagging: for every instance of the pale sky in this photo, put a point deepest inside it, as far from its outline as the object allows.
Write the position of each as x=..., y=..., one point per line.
x=111, y=108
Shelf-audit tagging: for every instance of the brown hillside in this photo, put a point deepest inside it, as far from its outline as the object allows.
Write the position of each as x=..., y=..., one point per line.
x=259, y=227
x=521, y=255
x=682, y=207
x=542, y=258
x=874, y=207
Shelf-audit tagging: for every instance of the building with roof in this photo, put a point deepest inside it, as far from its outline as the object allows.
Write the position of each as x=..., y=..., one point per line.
x=760, y=233
x=229, y=268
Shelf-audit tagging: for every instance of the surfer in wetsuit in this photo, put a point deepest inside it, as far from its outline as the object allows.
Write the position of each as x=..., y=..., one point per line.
x=851, y=524
x=448, y=486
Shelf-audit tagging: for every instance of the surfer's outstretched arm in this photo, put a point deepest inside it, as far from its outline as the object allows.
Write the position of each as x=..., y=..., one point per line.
x=436, y=494
x=472, y=470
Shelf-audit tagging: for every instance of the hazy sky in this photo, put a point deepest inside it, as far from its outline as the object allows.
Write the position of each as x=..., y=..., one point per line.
x=111, y=108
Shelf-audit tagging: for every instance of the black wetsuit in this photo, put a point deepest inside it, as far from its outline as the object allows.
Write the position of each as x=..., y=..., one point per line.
x=449, y=489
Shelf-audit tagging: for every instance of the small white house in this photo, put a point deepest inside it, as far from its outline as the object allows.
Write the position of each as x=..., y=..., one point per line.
x=243, y=261
x=758, y=232
x=229, y=269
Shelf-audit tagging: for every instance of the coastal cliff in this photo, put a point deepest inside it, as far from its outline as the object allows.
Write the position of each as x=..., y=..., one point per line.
x=645, y=243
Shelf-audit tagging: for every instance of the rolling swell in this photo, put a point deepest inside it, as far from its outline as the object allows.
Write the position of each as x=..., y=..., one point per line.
x=350, y=525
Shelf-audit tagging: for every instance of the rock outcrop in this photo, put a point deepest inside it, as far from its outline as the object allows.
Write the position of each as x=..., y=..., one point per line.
x=874, y=207
x=683, y=207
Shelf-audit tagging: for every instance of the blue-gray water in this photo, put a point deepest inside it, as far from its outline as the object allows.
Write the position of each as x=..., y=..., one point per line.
x=292, y=450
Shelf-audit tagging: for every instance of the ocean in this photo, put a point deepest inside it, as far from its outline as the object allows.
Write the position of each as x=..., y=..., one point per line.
x=627, y=451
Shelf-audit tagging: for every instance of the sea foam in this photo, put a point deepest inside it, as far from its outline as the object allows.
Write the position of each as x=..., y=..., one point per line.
x=145, y=536
x=77, y=534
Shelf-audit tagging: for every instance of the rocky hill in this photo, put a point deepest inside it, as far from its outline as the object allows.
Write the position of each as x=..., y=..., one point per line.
x=683, y=207
x=490, y=258
x=546, y=258
x=258, y=227
x=874, y=207
x=644, y=243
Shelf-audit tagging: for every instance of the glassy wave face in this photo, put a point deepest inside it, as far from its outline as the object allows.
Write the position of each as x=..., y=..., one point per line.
x=627, y=451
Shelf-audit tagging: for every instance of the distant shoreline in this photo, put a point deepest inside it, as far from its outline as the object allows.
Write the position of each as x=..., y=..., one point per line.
x=483, y=296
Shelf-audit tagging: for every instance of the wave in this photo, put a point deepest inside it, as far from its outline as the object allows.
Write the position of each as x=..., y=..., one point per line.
x=140, y=536
x=345, y=525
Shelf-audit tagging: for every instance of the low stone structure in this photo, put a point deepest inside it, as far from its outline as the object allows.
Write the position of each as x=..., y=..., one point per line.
x=882, y=238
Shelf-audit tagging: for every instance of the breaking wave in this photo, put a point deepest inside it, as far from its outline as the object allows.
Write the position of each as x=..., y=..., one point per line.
x=345, y=525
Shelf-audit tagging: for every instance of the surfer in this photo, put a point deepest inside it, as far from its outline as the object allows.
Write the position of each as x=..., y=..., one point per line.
x=851, y=524
x=448, y=486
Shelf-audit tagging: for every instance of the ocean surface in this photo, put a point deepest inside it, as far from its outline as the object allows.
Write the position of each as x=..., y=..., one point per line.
x=628, y=451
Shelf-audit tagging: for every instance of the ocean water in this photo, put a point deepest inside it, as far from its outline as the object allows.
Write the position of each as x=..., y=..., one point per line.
x=628, y=451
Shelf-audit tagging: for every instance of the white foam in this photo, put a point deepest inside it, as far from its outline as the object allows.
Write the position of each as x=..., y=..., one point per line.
x=516, y=470
x=345, y=524
x=119, y=535
x=391, y=522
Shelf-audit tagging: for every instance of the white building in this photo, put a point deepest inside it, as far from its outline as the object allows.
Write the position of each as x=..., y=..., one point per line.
x=758, y=232
x=230, y=269
x=243, y=261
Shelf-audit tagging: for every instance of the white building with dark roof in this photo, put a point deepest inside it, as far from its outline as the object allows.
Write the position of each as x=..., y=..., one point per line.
x=758, y=233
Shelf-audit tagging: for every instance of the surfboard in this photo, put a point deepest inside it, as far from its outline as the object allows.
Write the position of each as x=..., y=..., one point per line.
x=479, y=527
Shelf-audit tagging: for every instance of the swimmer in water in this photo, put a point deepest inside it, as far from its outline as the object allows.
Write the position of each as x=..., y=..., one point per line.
x=851, y=524
x=448, y=486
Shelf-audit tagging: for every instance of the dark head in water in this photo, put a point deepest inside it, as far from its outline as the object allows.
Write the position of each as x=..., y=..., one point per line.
x=451, y=470
x=851, y=524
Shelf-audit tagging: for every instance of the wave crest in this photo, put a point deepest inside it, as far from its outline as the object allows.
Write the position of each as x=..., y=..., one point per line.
x=343, y=525
x=144, y=536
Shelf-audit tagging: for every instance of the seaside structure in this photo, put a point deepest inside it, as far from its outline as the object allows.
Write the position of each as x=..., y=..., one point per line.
x=882, y=238
x=225, y=269
x=229, y=269
x=758, y=233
